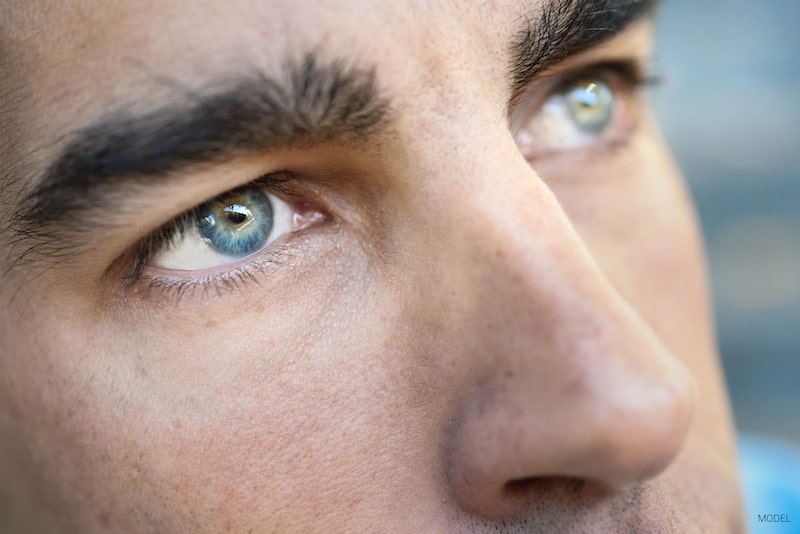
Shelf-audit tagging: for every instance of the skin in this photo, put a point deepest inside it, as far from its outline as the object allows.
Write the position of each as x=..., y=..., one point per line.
x=468, y=342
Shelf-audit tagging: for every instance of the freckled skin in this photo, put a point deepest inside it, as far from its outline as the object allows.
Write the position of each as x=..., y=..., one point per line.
x=473, y=344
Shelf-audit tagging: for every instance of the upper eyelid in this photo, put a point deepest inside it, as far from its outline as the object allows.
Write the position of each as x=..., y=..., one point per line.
x=281, y=183
x=631, y=71
x=634, y=69
x=617, y=49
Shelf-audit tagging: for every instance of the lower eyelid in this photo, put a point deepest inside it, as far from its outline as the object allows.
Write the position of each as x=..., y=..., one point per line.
x=209, y=275
x=300, y=246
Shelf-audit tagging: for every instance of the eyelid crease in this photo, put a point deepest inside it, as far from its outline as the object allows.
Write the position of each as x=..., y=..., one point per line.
x=637, y=73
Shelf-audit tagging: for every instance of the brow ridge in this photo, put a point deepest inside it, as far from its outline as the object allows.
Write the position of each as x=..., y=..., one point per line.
x=564, y=28
x=312, y=102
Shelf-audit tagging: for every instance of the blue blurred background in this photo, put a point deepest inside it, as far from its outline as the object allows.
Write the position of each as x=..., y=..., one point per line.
x=730, y=109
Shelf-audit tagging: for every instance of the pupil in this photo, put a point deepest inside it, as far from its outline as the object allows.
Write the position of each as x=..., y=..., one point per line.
x=235, y=217
x=590, y=105
x=589, y=98
x=238, y=213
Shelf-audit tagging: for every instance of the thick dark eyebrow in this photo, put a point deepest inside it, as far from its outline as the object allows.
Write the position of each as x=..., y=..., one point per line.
x=563, y=28
x=311, y=102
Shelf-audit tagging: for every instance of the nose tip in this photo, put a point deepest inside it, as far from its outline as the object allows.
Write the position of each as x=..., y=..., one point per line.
x=632, y=429
x=559, y=376
x=610, y=426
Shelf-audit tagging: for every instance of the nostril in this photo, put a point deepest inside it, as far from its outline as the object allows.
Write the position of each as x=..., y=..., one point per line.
x=524, y=486
x=520, y=494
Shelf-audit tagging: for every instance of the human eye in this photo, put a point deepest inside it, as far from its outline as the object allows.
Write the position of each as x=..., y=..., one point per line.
x=223, y=238
x=593, y=108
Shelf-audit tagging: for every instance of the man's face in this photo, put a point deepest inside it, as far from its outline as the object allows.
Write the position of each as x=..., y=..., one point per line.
x=348, y=267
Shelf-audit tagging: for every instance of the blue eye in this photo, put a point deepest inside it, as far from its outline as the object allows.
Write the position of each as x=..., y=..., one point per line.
x=590, y=105
x=237, y=223
x=592, y=111
x=223, y=230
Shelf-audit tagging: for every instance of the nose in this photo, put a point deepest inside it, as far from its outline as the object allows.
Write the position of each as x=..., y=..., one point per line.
x=566, y=380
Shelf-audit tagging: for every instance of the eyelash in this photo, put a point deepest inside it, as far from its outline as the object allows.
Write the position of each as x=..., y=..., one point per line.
x=634, y=73
x=227, y=282
x=630, y=76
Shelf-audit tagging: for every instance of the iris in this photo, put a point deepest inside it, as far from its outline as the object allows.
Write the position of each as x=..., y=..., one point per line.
x=236, y=223
x=590, y=105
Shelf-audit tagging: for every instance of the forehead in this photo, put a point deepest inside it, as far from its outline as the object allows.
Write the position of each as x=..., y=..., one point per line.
x=86, y=58
x=196, y=38
x=74, y=63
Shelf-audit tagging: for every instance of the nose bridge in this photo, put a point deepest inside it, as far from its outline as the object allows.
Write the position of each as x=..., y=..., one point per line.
x=523, y=255
x=569, y=381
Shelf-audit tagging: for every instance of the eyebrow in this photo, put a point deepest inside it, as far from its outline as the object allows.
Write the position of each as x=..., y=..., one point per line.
x=310, y=102
x=564, y=28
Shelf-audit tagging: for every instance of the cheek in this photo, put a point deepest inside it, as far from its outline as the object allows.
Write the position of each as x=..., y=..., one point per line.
x=641, y=229
x=638, y=224
x=246, y=419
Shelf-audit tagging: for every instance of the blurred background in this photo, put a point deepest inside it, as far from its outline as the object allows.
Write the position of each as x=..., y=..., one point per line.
x=730, y=109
